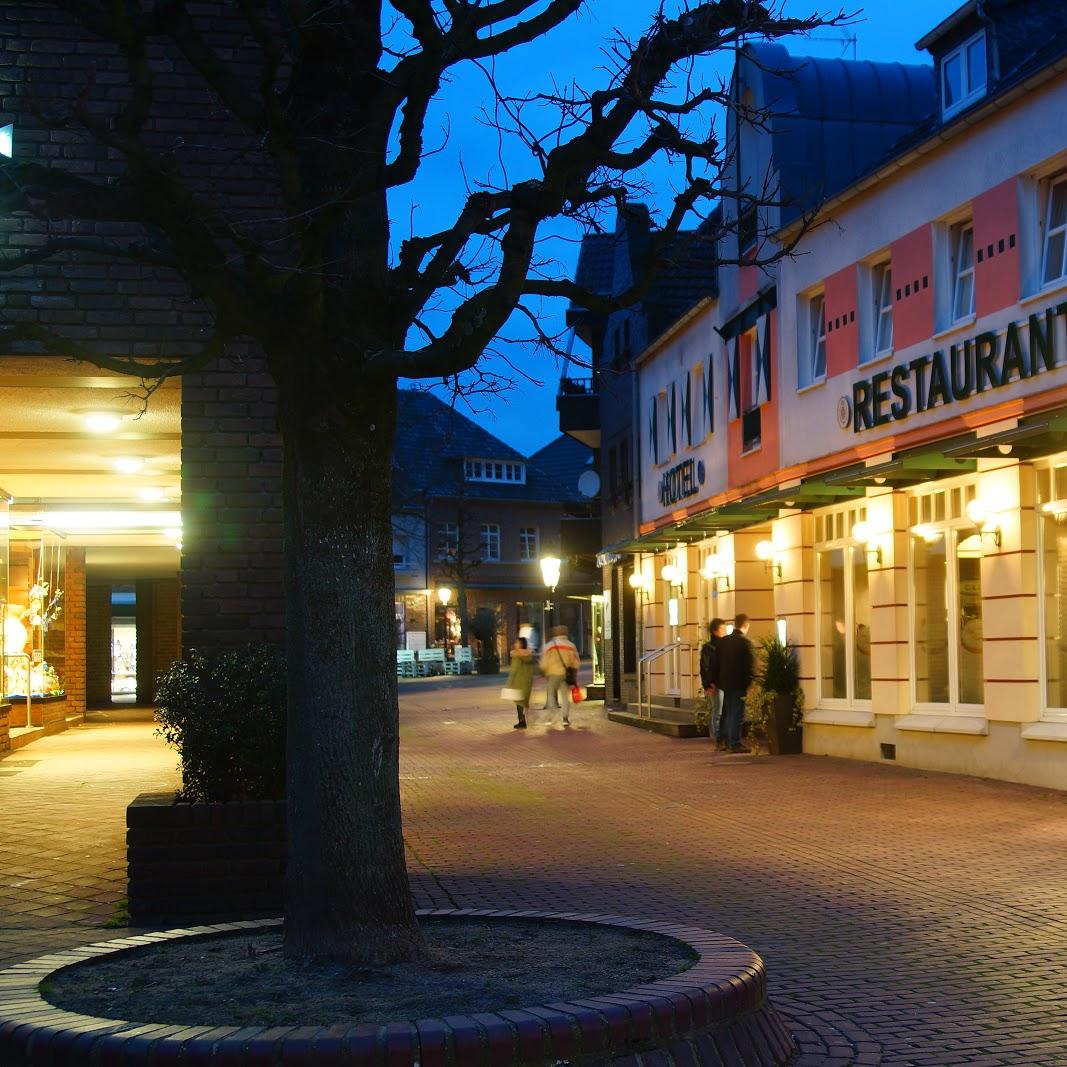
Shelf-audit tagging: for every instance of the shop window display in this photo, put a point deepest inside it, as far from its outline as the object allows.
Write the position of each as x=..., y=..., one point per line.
x=34, y=639
x=1052, y=497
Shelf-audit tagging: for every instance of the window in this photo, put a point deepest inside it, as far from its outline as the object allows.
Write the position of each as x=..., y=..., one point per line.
x=488, y=470
x=697, y=406
x=843, y=609
x=448, y=540
x=1052, y=590
x=529, y=543
x=963, y=75
x=882, y=277
x=665, y=443
x=613, y=473
x=1054, y=253
x=747, y=229
x=962, y=271
x=624, y=471
x=946, y=601
x=812, y=347
x=489, y=539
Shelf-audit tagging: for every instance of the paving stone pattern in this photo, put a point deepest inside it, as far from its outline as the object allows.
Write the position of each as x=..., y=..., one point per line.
x=904, y=917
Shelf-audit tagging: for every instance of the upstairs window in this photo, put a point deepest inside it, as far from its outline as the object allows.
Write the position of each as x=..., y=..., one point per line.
x=883, y=309
x=1054, y=252
x=529, y=542
x=963, y=75
x=494, y=470
x=490, y=542
x=448, y=540
x=812, y=341
x=747, y=229
x=962, y=271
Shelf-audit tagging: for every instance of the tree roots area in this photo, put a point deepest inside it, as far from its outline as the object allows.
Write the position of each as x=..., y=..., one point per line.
x=474, y=965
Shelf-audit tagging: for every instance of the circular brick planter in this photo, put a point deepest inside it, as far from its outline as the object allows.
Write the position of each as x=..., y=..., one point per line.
x=715, y=1014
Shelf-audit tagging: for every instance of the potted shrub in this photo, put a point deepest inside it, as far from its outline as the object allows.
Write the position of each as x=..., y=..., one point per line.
x=774, y=703
x=217, y=847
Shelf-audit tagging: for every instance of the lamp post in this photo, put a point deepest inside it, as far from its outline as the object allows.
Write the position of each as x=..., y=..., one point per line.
x=550, y=568
x=444, y=594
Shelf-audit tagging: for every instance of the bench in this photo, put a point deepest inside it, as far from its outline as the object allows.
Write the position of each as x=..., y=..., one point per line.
x=432, y=661
x=406, y=664
x=462, y=661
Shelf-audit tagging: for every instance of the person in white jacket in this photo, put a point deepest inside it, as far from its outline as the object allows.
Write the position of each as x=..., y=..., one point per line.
x=559, y=664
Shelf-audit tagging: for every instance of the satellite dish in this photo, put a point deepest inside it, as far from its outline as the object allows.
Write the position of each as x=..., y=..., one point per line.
x=589, y=484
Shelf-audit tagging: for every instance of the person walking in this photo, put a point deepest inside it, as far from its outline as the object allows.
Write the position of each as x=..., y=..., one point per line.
x=559, y=665
x=520, y=678
x=709, y=679
x=736, y=670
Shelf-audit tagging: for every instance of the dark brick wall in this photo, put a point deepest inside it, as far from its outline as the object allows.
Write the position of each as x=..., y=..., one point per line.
x=204, y=859
x=98, y=645
x=158, y=632
x=232, y=590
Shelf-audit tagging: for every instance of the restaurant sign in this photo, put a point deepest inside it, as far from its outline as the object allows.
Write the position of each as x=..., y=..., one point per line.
x=987, y=361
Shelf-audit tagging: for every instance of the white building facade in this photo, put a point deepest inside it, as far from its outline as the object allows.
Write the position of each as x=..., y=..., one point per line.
x=881, y=470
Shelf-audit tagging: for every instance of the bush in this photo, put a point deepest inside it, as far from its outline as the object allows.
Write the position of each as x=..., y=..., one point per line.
x=226, y=718
x=483, y=628
x=777, y=674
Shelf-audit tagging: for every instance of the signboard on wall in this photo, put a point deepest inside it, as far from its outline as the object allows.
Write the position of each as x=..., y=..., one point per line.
x=680, y=482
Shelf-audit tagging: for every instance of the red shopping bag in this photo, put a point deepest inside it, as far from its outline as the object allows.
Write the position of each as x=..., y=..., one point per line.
x=577, y=696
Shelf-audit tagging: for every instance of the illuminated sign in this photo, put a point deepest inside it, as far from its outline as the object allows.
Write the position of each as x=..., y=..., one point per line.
x=985, y=362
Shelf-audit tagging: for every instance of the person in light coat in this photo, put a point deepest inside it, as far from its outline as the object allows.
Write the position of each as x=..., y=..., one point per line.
x=559, y=665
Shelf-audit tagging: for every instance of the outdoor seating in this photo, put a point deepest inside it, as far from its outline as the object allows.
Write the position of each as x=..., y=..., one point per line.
x=462, y=661
x=406, y=664
x=432, y=661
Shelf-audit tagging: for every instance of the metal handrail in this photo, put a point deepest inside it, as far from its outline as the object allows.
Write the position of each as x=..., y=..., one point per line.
x=645, y=691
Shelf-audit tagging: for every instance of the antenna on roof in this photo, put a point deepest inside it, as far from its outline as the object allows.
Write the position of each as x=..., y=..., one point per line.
x=845, y=40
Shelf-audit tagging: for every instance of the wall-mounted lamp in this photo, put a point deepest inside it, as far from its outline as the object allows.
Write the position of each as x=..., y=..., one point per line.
x=714, y=570
x=980, y=513
x=765, y=552
x=862, y=534
x=1057, y=509
x=444, y=594
x=926, y=532
x=637, y=581
x=669, y=573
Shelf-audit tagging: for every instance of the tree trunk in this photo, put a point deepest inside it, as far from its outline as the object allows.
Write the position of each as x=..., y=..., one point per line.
x=347, y=892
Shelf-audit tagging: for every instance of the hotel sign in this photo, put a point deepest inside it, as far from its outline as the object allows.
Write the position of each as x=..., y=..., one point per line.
x=987, y=361
x=680, y=482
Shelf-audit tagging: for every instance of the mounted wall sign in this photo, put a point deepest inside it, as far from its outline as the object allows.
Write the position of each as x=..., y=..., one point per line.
x=680, y=482
x=986, y=362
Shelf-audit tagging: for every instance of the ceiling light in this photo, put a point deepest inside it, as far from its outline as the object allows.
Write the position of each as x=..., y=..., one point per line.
x=153, y=493
x=129, y=464
x=173, y=532
x=102, y=422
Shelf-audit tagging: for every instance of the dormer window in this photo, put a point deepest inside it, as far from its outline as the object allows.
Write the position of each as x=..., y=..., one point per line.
x=963, y=75
x=494, y=470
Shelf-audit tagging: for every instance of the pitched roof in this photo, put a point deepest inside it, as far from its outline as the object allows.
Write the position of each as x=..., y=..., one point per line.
x=834, y=119
x=565, y=460
x=433, y=439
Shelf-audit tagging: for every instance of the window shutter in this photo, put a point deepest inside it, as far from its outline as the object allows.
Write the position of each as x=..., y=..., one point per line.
x=672, y=419
x=709, y=395
x=687, y=411
x=653, y=431
x=763, y=359
x=733, y=378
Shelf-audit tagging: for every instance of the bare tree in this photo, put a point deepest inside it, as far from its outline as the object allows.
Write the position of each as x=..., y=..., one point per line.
x=330, y=114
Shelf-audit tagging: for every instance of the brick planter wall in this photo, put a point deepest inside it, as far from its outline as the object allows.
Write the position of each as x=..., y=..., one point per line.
x=5, y=729
x=716, y=1014
x=204, y=859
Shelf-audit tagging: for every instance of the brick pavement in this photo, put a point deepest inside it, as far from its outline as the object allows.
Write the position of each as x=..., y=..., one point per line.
x=905, y=917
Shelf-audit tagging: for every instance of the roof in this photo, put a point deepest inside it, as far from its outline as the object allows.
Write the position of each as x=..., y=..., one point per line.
x=607, y=263
x=834, y=119
x=433, y=439
x=565, y=460
x=946, y=25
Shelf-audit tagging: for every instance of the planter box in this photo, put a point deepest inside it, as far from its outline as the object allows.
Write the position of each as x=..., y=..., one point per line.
x=204, y=860
x=5, y=729
x=785, y=737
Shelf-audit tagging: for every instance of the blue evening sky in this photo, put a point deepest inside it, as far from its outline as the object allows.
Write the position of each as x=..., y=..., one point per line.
x=524, y=416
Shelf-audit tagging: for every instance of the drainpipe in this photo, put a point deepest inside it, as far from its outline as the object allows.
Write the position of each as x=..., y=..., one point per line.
x=994, y=48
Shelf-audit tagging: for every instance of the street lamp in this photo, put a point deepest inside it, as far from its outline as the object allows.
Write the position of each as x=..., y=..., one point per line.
x=550, y=567
x=444, y=594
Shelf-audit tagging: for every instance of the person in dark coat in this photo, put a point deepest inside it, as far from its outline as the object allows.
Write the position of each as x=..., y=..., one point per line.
x=737, y=667
x=709, y=679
